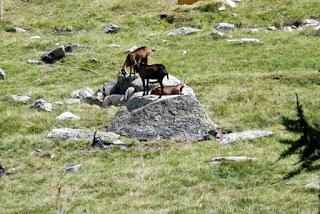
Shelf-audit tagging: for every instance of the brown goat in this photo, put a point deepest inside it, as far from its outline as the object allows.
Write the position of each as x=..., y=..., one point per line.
x=147, y=72
x=138, y=56
x=168, y=90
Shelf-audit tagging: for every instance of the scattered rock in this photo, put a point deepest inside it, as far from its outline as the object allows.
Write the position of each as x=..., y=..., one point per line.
x=67, y=116
x=217, y=34
x=94, y=60
x=111, y=28
x=21, y=98
x=92, y=100
x=150, y=118
x=76, y=134
x=72, y=101
x=133, y=48
x=35, y=37
x=288, y=28
x=34, y=62
x=113, y=46
x=120, y=143
x=222, y=8
x=253, y=30
x=230, y=3
x=245, y=40
x=54, y=55
x=16, y=30
x=73, y=168
x=225, y=26
x=82, y=93
x=2, y=74
x=271, y=28
x=313, y=186
x=311, y=22
x=11, y=171
x=219, y=160
x=42, y=105
x=245, y=135
x=183, y=31
x=184, y=52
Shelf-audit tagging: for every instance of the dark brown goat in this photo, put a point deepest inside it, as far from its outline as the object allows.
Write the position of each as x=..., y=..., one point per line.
x=168, y=90
x=138, y=56
x=147, y=72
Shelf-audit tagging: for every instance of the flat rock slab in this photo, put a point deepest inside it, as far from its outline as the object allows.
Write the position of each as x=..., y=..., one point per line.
x=67, y=116
x=225, y=26
x=183, y=31
x=21, y=98
x=77, y=134
x=149, y=118
x=314, y=186
x=241, y=136
x=219, y=160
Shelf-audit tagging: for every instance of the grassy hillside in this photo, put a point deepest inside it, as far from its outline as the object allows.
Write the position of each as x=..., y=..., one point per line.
x=241, y=86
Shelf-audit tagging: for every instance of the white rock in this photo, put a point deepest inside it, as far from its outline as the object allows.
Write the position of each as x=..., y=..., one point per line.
x=183, y=31
x=225, y=26
x=217, y=34
x=245, y=40
x=82, y=93
x=34, y=61
x=184, y=52
x=73, y=168
x=42, y=105
x=17, y=30
x=230, y=3
x=288, y=28
x=113, y=46
x=71, y=101
x=21, y=98
x=132, y=49
x=272, y=28
x=233, y=14
x=2, y=74
x=245, y=135
x=35, y=37
x=67, y=116
x=311, y=22
x=253, y=30
x=314, y=185
x=219, y=160
x=222, y=8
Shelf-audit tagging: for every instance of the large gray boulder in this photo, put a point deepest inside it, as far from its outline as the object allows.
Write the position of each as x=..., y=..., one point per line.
x=149, y=118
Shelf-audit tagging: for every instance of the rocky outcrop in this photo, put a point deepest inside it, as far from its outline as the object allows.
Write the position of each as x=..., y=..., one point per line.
x=149, y=118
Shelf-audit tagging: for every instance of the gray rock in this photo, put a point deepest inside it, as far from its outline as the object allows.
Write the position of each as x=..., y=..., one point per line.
x=311, y=22
x=94, y=60
x=222, y=8
x=54, y=55
x=230, y=3
x=2, y=74
x=225, y=26
x=35, y=37
x=217, y=34
x=77, y=134
x=113, y=46
x=245, y=135
x=111, y=28
x=317, y=31
x=124, y=83
x=16, y=30
x=73, y=168
x=150, y=118
x=21, y=98
x=107, y=88
x=82, y=93
x=183, y=31
x=92, y=100
x=72, y=101
x=42, y=105
x=271, y=28
x=219, y=160
x=313, y=186
x=245, y=41
x=67, y=116
x=34, y=62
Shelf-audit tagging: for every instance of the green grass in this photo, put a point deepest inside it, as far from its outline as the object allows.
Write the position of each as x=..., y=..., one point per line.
x=234, y=83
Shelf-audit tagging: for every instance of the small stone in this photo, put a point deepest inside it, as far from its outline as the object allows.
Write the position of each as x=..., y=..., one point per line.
x=311, y=22
x=317, y=30
x=11, y=171
x=288, y=28
x=313, y=186
x=52, y=156
x=94, y=60
x=82, y=93
x=111, y=28
x=225, y=26
x=230, y=3
x=184, y=52
x=21, y=98
x=16, y=30
x=253, y=30
x=132, y=49
x=245, y=135
x=219, y=160
x=217, y=34
x=35, y=37
x=271, y=28
x=42, y=105
x=67, y=116
x=34, y=62
x=183, y=31
x=73, y=168
x=222, y=8
x=233, y=15
x=113, y=46
x=71, y=101
x=2, y=74
x=245, y=40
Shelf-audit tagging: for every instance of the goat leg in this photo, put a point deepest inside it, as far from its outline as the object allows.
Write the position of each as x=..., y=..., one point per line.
x=144, y=86
x=147, y=86
x=161, y=84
